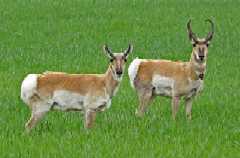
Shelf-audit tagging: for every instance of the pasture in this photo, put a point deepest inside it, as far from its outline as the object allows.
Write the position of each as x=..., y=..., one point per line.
x=68, y=36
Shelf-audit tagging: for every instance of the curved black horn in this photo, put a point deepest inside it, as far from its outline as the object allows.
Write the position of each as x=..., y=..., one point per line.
x=210, y=34
x=191, y=35
x=108, y=51
x=129, y=49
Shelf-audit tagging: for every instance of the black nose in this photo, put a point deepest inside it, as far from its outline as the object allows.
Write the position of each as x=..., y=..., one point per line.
x=201, y=58
x=119, y=72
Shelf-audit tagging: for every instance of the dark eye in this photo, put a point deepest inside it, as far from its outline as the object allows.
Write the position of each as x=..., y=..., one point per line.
x=125, y=59
x=207, y=44
x=194, y=45
x=111, y=60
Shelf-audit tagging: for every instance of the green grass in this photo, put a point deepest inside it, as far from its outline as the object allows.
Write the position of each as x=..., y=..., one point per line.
x=55, y=35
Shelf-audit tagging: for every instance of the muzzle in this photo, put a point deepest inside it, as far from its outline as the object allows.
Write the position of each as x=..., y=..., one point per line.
x=119, y=72
x=201, y=57
x=201, y=76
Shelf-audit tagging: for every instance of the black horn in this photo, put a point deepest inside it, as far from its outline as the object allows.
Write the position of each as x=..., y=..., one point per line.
x=191, y=35
x=210, y=34
x=108, y=51
x=128, y=50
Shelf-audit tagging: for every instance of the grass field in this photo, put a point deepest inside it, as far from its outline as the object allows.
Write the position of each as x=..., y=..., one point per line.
x=36, y=36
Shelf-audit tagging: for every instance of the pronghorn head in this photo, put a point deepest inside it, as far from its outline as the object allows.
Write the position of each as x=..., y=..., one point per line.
x=117, y=60
x=200, y=45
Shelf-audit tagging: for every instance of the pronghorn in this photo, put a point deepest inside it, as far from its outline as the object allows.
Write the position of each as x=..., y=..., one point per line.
x=89, y=93
x=169, y=78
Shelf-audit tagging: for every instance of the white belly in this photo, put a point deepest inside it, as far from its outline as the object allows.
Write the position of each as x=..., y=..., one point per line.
x=66, y=100
x=163, y=85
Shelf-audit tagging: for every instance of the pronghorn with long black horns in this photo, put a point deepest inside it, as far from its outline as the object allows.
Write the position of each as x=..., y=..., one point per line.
x=169, y=78
x=89, y=93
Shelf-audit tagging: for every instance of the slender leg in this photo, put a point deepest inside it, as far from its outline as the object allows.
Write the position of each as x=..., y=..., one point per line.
x=38, y=111
x=188, y=104
x=90, y=116
x=145, y=96
x=34, y=119
x=175, y=106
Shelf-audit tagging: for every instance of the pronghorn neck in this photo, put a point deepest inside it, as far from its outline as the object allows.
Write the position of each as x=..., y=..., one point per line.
x=197, y=68
x=111, y=82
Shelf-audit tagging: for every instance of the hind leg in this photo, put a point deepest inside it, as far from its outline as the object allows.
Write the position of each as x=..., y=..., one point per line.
x=34, y=119
x=38, y=111
x=145, y=95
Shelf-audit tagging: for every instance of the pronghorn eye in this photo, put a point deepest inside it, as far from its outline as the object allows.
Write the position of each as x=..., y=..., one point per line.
x=207, y=44
x=194, y=44
x=111, y=60
x=124, y=58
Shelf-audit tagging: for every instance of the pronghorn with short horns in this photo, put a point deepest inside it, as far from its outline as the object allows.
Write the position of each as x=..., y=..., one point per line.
x=89, y=93
x=169, y=78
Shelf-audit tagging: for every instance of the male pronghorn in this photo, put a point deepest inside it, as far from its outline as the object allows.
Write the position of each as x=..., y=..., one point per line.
x=81, y=92
x=169, y=78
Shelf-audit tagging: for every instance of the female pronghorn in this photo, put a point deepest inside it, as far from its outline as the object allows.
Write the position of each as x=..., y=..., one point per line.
x=84, y=92
x=169, y=78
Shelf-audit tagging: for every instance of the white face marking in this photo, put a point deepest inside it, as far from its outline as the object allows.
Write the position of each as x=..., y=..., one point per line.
x=116, y=77
x=196, y=55
x=118, y=66
x=163, y=85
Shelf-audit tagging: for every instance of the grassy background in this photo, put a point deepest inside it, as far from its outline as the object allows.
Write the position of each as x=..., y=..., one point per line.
x=57, y=35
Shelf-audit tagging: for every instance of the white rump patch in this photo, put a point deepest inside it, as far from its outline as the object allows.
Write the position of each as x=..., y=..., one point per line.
x=29, y=87
x=163, y=85
x=133, y=70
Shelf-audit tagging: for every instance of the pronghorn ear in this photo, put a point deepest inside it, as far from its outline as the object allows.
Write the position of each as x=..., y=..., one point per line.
x=108, y=51
x=128, y=51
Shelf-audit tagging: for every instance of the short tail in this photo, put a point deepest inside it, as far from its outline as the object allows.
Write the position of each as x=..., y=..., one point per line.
x=29, y=87
x=133, y=70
